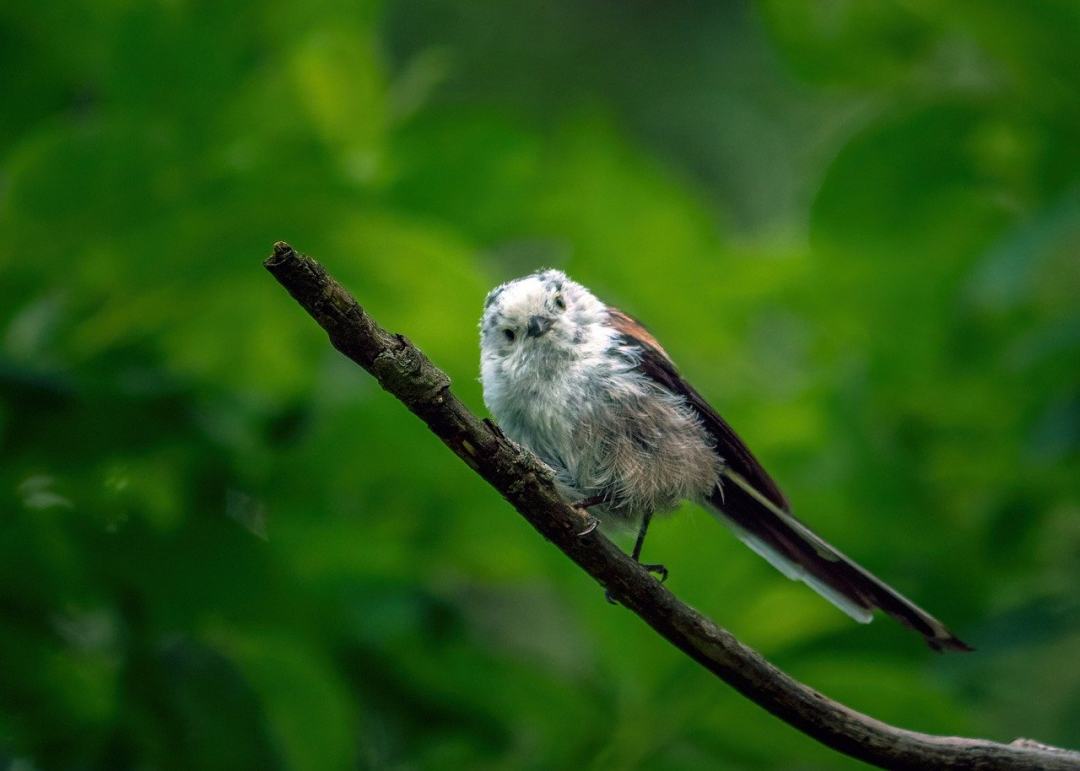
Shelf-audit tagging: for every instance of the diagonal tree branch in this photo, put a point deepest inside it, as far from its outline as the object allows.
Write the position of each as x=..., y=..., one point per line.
x=410, y=376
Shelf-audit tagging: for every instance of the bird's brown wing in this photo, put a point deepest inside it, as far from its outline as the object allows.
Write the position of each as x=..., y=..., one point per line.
x=752, y=504
x=658, y=366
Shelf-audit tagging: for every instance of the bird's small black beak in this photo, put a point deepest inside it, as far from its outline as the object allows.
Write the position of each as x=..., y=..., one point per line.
x=538, y=325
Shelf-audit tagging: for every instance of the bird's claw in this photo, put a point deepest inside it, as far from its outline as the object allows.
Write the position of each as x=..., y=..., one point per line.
x=591, y=524
x=660, y=570
x=583, y=507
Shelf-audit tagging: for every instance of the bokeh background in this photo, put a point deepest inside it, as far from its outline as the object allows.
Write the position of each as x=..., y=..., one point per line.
x=856, y=226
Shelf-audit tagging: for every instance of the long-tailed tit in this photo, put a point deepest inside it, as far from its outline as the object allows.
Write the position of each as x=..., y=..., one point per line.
x=592, y=393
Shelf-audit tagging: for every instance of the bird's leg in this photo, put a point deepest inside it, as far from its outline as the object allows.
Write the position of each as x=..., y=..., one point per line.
x=660, y=570
x=588, y=503
x=642, y=530
x=585, y=504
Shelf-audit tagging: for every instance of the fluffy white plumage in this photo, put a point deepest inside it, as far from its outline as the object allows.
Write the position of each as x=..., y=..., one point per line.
x=572, y=394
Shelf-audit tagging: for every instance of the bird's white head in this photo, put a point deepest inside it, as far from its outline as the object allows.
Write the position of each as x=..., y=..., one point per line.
x=535, y=325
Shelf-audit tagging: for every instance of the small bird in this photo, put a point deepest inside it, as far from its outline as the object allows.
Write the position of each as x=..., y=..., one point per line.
x=591, y=392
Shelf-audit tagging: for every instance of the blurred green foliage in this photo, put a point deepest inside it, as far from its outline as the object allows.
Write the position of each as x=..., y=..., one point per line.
x=855, y=225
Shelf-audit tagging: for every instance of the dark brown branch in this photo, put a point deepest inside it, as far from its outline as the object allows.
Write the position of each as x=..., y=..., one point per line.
x=406, y=373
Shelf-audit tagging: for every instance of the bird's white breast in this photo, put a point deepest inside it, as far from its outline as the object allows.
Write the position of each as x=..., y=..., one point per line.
x=604, y=428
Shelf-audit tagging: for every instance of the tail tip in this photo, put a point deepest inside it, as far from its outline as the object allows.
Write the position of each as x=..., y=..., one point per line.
x=947, y=644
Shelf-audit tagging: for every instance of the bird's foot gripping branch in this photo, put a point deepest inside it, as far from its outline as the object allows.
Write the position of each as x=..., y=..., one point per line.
x=404, y=371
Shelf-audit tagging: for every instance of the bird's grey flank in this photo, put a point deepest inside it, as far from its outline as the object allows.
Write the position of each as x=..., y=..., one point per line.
x=589, y=390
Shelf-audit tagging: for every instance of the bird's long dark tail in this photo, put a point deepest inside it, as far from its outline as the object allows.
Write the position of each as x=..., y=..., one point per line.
x=793, y=549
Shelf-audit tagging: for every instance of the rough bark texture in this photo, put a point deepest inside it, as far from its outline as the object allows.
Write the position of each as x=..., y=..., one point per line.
x=407, y=373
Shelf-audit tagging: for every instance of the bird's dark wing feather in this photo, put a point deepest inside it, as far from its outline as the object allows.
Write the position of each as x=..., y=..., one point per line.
x=658, y=366
x=753, y=505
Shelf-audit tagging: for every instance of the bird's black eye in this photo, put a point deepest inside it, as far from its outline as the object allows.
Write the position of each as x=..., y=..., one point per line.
x=509, y=334
x=559, y=302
